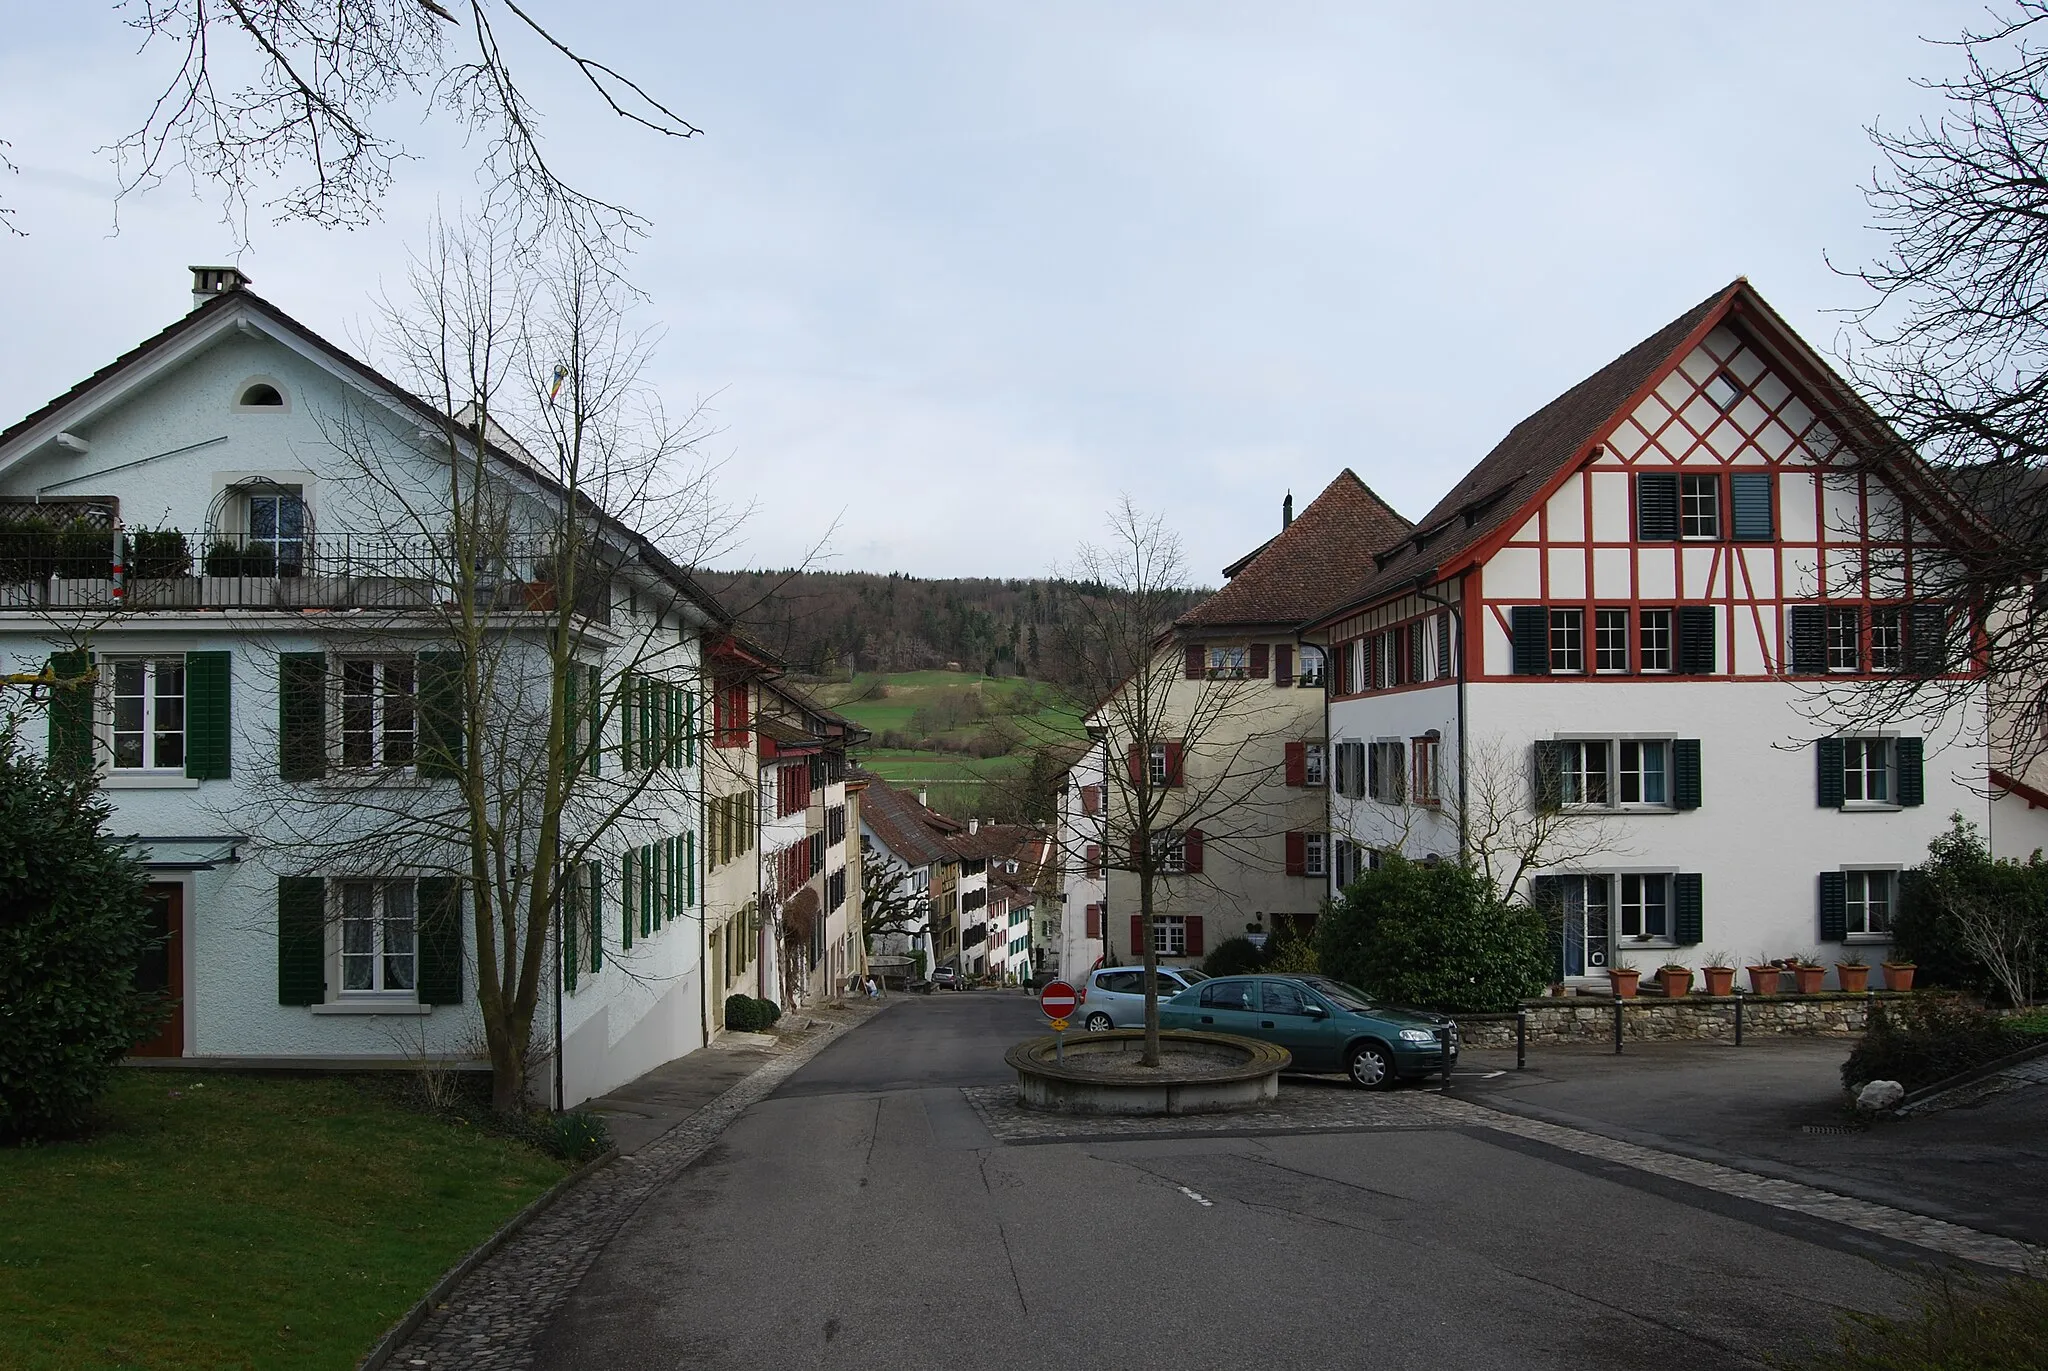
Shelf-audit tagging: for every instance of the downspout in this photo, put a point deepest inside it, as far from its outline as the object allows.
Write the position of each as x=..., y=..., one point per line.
x=560, y=1097
x=1457, y=611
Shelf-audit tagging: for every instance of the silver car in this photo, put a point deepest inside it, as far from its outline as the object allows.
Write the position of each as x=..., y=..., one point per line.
x=1114, y=996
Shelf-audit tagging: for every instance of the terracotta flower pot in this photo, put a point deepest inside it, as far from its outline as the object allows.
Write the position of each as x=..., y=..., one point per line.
x=1898, y=975
x=1809, y=979
x=1624, y=981
x=1764, y=980
x=1677, y=984
x=1852, y=977
x=1720, y=980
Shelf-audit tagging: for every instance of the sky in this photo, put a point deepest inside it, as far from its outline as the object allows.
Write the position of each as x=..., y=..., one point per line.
x=954, y=277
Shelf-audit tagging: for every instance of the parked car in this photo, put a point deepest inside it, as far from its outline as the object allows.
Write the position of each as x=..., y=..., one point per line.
x=1114, y=996
x=1326, y=1024
x=948, y=978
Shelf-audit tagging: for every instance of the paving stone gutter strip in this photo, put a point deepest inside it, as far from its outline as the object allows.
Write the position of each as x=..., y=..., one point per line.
x=494, y=1312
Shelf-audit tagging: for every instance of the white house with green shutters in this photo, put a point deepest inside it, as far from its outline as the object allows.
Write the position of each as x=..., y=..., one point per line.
x=251, y=656
x=1629, y=626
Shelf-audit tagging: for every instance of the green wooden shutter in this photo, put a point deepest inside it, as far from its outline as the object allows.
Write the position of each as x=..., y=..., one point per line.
x=675, y=878
x=625, y=712
x=1912, y=772
x=690, y=865
x=1549, y=755
x=441, y=722
x=1529, y=626
x=1834, y=906
x=1809, y=640
x=644, y=740
x=1750, y=496
x=1696, y=639
x=572, y=720
x=1687, y=909
x=594, y=702
x=689, y=728
x=1685, y=773
x=1828, y=773
x=646, y=893
x=572, y=918
x=1927, y=646
x=301, y=940
x=208, y=685
x=627, y=898
x=301, y=715
x=1656, y=506
x=594, y=872
x=440, y=940
x=71, y=711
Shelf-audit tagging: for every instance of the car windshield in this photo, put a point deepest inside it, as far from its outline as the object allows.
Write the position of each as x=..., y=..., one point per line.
x=1191, y=976
x=1337, y=993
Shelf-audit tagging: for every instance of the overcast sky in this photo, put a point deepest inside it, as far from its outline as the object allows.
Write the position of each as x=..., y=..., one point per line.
x=958, y=274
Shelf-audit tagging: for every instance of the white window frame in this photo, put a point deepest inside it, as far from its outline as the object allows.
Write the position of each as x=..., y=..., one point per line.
x=1312, y=772
x=380, y=722
x=1600, y=955
x=1309, y=665
x=1620, y=904
x=1887, y=768
x=1169, y=935
x=1887, y=638
x=1699, y=507
x=1315, y=854
x=1664, y=636
x=1855, y=911
x=1156, y=771
x=1422, y=772
x=1615, y=744
x=1388, y=762
x=1172, y=851
x=1607, y=622
x=1577, y=773
x=152, y=699
x=1566, y=626
x=275, y=541
x=1844, y=648
x=379, y=954
x=1228, y=664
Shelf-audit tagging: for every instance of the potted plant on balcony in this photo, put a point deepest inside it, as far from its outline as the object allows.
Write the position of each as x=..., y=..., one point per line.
x=1675, y=980
x=1852, y=973
x=1808, y=974
x=1622, y=978
x=1765, y=976
x=1718, y=975
x=1898, y=975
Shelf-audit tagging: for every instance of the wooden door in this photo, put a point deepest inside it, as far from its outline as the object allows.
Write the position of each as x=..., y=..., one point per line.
x=163, y=969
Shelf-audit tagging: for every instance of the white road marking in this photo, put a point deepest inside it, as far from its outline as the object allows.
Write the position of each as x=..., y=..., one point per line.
x=1206, y=1204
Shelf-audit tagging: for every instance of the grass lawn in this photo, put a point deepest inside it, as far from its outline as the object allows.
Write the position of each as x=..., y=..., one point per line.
x=223, y=1221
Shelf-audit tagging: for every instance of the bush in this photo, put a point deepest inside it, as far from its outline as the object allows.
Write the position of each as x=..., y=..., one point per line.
x=576, y=1136
x=1233, y=957
x=766, y=1012
x=1437, y=937
x=1289, y=954
x=73, y=926
x=1959, y=870
x=1927, y=1039
x=743, y=1015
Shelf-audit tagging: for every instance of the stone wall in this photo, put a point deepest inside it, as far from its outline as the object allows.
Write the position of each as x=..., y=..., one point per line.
x=1699, y=1018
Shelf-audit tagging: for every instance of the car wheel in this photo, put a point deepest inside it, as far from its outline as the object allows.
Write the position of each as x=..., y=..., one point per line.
x=1097, y=1023
x=1371, y=1066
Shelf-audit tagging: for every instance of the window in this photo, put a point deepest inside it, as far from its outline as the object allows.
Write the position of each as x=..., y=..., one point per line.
x=1227, y=663
x=1867, y=770
x=1887, y=641
x=1722, y=392
x=1169, y=935
x=1642, y=772
x=1585, y=906
x=1386, y=778
x=1610, y=640
x=1567, y=640
x=1281, y=997
x=835, y=825
x=1699, y=506
x=1653, y=640
x=377, y=712
x=1607, y=773
x=1312, y=764
x=149, y=714
x=277, y=532
x=1315, y=854
x=261, y=395
x=1868, y=903
x=1422, y=771
x=378, y=952
x=729, y=715
x=1845, y=633
x=1156, y=770
x=1311, y=666
x=1230, y=995
x=1171, y=853
x=1585, y=773
x=1645, y=907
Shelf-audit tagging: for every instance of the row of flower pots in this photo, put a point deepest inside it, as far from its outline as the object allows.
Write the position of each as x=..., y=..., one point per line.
x=1766, y=978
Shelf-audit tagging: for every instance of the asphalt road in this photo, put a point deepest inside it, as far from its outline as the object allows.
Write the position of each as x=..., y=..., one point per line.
x=863, y=1217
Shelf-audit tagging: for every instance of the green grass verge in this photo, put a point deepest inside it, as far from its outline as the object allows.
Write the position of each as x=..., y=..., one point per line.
x=2033, y=1023
x=223, y=1221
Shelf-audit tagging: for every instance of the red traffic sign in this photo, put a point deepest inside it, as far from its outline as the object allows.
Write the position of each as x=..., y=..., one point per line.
x=1058, y=1000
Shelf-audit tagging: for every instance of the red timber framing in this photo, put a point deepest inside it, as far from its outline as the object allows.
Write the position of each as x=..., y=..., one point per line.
x=1767, y=413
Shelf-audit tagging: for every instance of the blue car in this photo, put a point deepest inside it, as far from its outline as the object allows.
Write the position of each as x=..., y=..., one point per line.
x=1328, y=1026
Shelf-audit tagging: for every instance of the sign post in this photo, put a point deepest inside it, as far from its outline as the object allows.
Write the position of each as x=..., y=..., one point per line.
x=1058, y=1001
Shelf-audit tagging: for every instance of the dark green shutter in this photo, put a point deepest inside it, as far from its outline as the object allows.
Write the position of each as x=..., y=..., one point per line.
x=1749, y=493
x=645, y=867
x=1809, y=640
x=1685, y=773
x=689, y=728
x=71, y=709
x=1927, y=639
x=1529, y=625
x=690, y=865
x=441, y=721
x=572, y=915
x=208, y=718
x=1834, y=906
x=1696, y=639
x=572, y=720
x=627, y=898
x=1912, y=772
x=440, y=940
x=1828, y=773
x=301, y=940
x=301, y=715
x=594, y=702
x=594, y=874
x=625, y=711
x=1656, y=506
x=1549, y=774
x=1688, y=917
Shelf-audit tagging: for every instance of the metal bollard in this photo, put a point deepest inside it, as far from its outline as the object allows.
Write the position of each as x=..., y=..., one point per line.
x=1617, y=1025
x=1738, y=1020
x=1521, y=1040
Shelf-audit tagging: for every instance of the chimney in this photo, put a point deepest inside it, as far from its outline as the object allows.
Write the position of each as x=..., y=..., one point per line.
x=208, y=282
x=1287, y=511
x=973, y=826
x=924, y=799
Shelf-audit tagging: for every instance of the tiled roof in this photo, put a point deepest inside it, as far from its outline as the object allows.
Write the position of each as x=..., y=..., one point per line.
x=904, y=826
x=1521, y=464
x=1290, y=579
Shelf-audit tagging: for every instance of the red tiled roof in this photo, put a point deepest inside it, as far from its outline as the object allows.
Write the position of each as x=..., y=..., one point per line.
x=1290, y=578
x=905, y=827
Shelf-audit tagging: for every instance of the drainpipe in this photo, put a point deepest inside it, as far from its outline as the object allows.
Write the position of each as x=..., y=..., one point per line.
x=1457, y=611
x=560, y=951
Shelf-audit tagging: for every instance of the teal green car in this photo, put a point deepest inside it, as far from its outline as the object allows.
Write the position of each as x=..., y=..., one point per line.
x=1328, y=1026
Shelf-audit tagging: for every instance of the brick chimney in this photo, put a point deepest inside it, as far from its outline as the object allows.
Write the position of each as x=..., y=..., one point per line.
x=208, y=282
x=1287, y=511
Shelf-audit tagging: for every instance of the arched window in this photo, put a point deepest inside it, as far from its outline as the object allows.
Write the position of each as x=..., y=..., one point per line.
x=260, y=395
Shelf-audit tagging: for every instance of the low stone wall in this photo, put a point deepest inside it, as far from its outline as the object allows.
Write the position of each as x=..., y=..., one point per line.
x=1697, y=1018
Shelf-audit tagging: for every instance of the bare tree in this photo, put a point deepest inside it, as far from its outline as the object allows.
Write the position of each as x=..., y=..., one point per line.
x=888, y=905
x=1514, y=829
x=303, y=96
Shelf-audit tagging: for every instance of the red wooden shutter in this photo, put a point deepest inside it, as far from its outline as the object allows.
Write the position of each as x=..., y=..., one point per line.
x=1297, y=764
x=1173, y=754
x=1136, y=758
x=1194, y=925
x=1092, y=862
x=1283, y=665
x=1094, y=921
x=1137, y=851
x=1297, y=854
x=1197, y=659
x=1137, y=937
x=1191, y=847
x=1091, y=799
x=1258, y=661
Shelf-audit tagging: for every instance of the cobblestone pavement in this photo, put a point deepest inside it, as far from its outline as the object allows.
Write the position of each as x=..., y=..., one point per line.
x=491, y=1319
x=2016, y=1077
x=1306, y=1109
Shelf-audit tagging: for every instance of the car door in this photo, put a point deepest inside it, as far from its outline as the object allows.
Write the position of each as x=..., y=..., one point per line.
x=1229, y=1006
x=1287, y=1017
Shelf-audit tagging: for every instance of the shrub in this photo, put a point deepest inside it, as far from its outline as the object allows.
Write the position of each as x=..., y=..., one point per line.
x=73, y=926
x=1233, y=957
x=1289, y=954
x=1927, y=1039
x=766, y=1012
x=1959, y=873
x=1434, y=936
x=158, y=554
x=576, y=1136
x=742, y=1014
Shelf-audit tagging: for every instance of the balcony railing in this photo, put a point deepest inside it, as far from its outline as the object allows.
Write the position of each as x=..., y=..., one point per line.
x=165, y=569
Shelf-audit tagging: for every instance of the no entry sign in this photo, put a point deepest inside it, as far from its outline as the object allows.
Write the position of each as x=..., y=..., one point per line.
x=1058, y=1000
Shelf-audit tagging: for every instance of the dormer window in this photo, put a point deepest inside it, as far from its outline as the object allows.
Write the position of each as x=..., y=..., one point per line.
x=256, y=394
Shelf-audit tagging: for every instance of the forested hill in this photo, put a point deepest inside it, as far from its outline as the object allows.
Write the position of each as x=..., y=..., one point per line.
x=832, y=622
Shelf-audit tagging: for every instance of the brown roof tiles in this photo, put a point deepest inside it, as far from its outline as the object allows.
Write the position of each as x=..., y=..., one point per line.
x=1291, y=578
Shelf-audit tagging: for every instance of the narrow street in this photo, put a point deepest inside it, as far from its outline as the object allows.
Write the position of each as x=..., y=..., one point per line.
x=864, y=1216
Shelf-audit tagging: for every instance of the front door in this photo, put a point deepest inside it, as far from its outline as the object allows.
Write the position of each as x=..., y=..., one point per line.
x=163, y=969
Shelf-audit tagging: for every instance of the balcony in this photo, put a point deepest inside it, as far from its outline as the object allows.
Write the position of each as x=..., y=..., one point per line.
x=99, y=570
